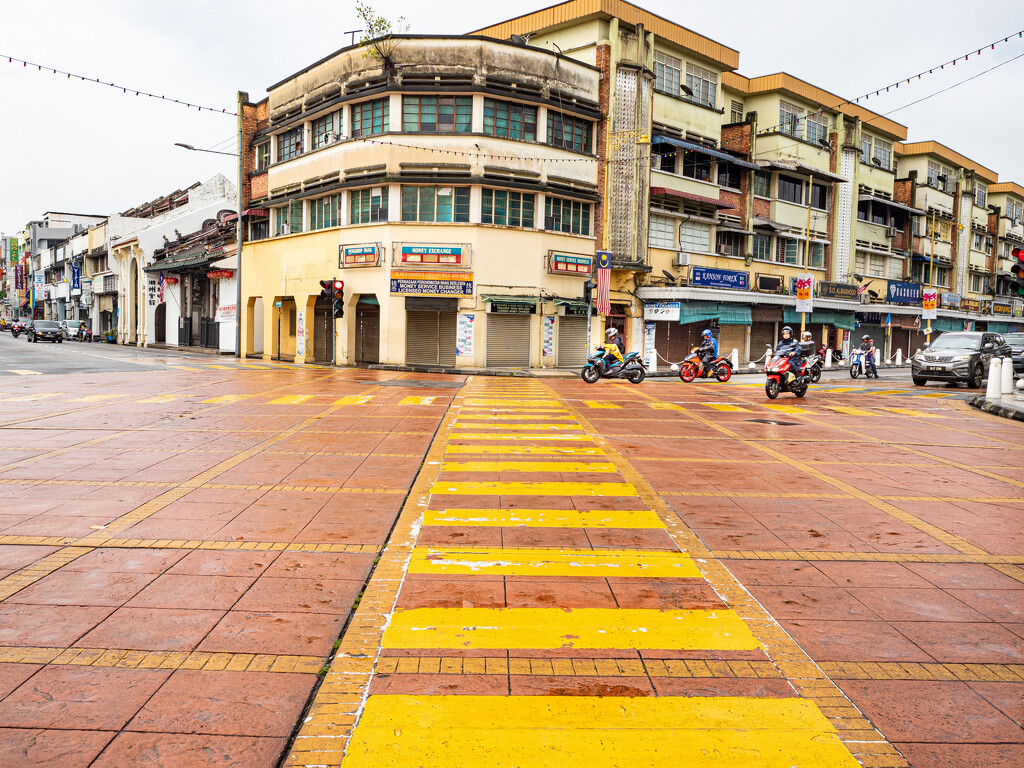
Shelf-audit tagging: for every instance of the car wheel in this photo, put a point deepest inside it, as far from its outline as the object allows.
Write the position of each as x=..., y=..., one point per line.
x=976, y=376
x=919, y=381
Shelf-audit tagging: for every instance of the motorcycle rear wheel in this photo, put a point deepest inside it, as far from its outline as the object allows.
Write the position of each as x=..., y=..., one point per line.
x=800, y=391
x=687, y=372
x=815, y=374
x=723, y=373
x=636, y=375
x=590, y=374
x=771, y=388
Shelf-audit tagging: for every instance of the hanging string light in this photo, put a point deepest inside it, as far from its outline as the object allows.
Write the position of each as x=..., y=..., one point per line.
x=124, y=89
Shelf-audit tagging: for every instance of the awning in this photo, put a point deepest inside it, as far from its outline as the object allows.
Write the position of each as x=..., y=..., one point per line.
x=705, y=151
x=249, y=212
x=570, y=303
x=724, y=313
x=890, y=203
x=736, y=229
x=945, y=324
x=801, y=169
x=196, y=258
x=844, y=320
x=531, y=300
x=666, y=192
x=775, y=226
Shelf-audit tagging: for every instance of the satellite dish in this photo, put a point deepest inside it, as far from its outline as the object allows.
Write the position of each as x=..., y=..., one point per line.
x=669, y=275
x=519, y=39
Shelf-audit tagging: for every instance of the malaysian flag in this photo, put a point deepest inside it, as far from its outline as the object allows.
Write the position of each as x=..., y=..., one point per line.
x=604, y=278
x=861, y=289
x=162, y=284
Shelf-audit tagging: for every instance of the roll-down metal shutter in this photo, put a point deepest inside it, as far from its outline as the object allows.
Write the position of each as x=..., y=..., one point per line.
x=508, y=341
x=367, y=333
x=572, y=342
x=323, y=331
x=430, y=337
x=446, y=332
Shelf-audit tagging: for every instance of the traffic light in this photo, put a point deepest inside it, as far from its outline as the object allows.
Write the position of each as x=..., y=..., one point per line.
x=338, y=294
x=327, y=289
x=1017, y=270
x=588, y=288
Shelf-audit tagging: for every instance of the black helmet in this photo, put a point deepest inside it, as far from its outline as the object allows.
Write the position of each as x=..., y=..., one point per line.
x=865, y=337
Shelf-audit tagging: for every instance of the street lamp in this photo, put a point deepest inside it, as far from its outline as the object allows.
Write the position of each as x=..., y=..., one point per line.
x=238, y=232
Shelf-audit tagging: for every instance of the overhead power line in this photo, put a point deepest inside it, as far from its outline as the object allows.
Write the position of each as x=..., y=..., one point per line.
x=124, y=88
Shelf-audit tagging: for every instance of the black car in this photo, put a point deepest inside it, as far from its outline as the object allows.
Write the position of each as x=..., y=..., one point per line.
x=958, y=356
x=47, y=330
x=1016, y=342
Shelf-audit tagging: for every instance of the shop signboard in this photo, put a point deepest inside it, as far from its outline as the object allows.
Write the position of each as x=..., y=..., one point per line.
x=706, y=277
x=999, y=308
x=662, y=310
x=575, y=310
x=1018, y=308
x=359, y=255
x=499, y=307
x=902, y=293
x=447, y=256
x=950, y=300
x=840, y=291
x=570, y=264
x=769, y=283
x=929, y=304
x=450, y=284
x=970, y=305
x=226, y=313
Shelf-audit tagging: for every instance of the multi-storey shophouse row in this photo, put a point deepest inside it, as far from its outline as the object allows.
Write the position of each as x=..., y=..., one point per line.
x=953, y=234
x=450, y=183
x=1006, y=230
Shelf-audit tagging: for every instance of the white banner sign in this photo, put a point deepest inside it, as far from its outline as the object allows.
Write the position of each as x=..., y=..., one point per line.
x=649, y=354
x=464, y=336
x=929, y=303
x=805, y=293
x=547, y=336
x=662, y=310
x=226, y=314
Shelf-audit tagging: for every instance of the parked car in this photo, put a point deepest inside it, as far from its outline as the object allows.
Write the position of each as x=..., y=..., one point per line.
x=1016, y=342
x=958, y=356
x=47, y=330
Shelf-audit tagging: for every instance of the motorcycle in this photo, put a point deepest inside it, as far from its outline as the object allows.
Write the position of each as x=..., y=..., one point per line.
x=815, y=362
x=693, y=366
x=782, y=378
x=859, y=365
x=82, y=334
x=631, y=368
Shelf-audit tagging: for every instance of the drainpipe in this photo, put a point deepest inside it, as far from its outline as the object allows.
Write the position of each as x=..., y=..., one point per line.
x=238, y=230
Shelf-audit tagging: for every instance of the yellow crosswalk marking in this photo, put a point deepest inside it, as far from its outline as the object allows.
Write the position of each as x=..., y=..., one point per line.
x=520, y=436
x=495, y=488
x=24, y=372
x=184, y=368
x=887, y=391
x=727, y=407
x=787, y=409
x=354, y=400
x=417, y=401
x=528, y=450
x=598, y=404
x=162, y=398
x=526, y=466
x=221, y=367
x=936, y=394
x=544, y=518
x=633, y=628
x=514, y=403
x=467, y=417
x=912, y=412
x=665, y=406
x=30, y=397
x=222, y=399
x=553, y=562
x=849, y=411
x=557, y=731
x=472, y=424
x=96, y=398
x=291, y=400
x=843, y=389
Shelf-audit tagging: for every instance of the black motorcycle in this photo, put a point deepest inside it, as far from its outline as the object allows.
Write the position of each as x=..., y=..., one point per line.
x=631, y=368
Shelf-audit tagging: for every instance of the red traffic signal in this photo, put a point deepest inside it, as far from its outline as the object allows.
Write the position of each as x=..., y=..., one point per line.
x=338, y=290
x=339, y=284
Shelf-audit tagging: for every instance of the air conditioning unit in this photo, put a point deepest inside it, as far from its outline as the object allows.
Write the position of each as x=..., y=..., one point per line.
x=682, y=260
x=725, y=249
x=890, y=232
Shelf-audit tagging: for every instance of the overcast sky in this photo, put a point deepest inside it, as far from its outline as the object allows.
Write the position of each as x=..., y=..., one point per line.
x=86, y=148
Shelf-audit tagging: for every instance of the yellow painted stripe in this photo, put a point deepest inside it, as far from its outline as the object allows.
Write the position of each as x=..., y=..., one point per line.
x=527, y=450
x=354, y=400
x=849, y=411
x=598, y=404
x=544, y=518
x=466, y=417
x=417, y=400
x=513, y=403
x=596, y=732
x=727, y=407
x=787, y=409
x=520, y=436
x=553, y=562
x=33, y=396
x=162, y=398
x=843, y=389
x=24, y=372
x=95, y=398
x=912, y=412
x=489, y=488
x=221, y=367
x=887, y=391
x=550, y=732
x=464, y=424
x=515, y=412
x=184, y=367
x=665, y=406
x=526, y=466
x=936, y=394
x=222, y=399
x=291, y=400
x=633, y=628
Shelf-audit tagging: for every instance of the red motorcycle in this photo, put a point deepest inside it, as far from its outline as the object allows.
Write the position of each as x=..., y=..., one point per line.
x=783, y=377
x=693, y=366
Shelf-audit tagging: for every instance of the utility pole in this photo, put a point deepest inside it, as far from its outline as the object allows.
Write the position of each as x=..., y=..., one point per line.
x=931, y=278
x=807, y=247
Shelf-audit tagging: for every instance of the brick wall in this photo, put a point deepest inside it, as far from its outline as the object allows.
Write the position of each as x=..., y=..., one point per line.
x=254, y=118
x=604, y=58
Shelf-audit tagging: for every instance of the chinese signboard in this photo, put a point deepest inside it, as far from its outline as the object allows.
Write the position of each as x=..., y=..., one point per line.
x=451, y=284
x=903, y=293
x=662, y=310
x=718, y=278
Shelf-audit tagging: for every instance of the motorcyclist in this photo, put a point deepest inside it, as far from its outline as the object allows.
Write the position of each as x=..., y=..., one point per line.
x=708, y=349
x=867, y=346
x=807, y=344
x=789, y=347
x=614, y=346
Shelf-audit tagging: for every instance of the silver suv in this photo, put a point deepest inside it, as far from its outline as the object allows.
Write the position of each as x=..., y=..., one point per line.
x=958, y=356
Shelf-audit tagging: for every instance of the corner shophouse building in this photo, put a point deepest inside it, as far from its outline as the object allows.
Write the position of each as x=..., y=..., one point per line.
x=455, y=199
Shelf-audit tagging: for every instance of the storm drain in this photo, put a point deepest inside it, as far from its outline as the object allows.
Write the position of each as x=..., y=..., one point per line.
x=776, y=423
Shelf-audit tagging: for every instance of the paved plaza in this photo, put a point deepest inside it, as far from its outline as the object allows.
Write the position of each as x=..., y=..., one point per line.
x=210, y=562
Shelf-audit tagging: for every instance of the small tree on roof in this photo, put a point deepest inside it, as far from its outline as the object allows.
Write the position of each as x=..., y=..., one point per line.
x=379, y=35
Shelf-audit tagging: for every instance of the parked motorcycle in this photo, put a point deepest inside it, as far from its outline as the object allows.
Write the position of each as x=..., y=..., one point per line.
x=815, y=362
x=693, y=366
x=631, y=368
x=859, y=365
x=782, y=376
